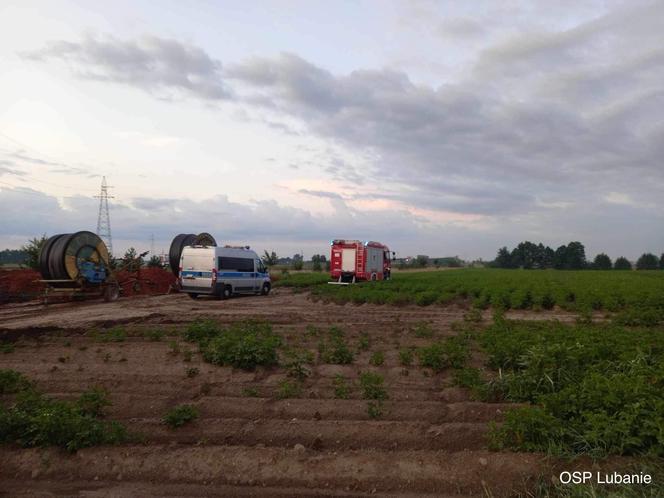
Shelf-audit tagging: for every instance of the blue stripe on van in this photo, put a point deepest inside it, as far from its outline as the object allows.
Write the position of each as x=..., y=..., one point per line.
x=190, y=273
x=226, y=274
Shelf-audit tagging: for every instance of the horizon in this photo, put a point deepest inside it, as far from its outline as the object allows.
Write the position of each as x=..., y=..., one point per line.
x=435, y=128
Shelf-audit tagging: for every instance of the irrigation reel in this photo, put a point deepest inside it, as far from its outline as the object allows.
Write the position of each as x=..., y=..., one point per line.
x=78, y=265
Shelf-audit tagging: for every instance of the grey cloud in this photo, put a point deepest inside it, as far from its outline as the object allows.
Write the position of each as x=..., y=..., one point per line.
x=151, y=63
x=320, y=193
x=542, y=119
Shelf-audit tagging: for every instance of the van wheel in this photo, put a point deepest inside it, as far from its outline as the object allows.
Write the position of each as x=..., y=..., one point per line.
x=266, y=289
x=193, y=295
x=227, y=292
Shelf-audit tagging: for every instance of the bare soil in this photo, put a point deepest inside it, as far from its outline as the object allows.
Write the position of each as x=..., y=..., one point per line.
x=430, y=440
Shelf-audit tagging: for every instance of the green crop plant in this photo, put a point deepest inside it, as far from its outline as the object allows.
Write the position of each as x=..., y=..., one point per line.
x=180, y=415
x=406, y=357
x=364, y=342
x=451, y=352
x=31, y=419
x=154, y=334
x=289, y=389
x=334, y=349
x=423, y=330
x=498, y=288
x=594, y=389
x=246, y=344
x=377, y=358
x=341, y=387
x=371, y=384
x=115, y=334
x=250, y=392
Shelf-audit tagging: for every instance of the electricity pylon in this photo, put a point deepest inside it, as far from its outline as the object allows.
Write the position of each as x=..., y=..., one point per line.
x=104, y=219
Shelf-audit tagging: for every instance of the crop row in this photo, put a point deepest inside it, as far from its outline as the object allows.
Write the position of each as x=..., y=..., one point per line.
x=504, y=289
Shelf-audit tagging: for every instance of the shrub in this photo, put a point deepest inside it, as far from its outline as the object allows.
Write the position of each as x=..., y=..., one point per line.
x=180, y=415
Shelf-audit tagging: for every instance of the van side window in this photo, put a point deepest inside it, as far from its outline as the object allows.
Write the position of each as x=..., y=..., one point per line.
x=236, y=264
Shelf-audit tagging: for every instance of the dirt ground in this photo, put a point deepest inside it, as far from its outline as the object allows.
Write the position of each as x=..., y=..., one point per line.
x=430, y=440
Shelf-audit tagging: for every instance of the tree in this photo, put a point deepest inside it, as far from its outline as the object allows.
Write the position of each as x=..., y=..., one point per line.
x=269, y=258
x=503, y=258
x=421, y=261
x=575, y=256
x=647, y=261
x=602, y=262
x=131, y=260
x=154, y=262
x=32, y=250
x=317, y=260
x=622, y=263
x=661, y=262
x=560, y=258
x=298, y=262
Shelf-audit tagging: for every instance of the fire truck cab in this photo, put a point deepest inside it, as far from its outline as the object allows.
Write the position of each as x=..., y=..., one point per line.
x=354, y=260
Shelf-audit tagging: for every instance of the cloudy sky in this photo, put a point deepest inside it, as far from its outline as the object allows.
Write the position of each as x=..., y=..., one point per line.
x=442, y=128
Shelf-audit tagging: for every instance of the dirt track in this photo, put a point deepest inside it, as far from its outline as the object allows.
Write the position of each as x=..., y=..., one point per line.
x=430, y=440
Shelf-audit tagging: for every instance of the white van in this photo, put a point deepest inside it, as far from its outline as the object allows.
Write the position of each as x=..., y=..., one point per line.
x=222, y=272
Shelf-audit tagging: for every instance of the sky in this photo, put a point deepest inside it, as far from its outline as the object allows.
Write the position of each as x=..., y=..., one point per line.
x=439, y=128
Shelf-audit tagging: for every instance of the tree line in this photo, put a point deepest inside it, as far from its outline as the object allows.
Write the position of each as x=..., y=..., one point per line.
x=572, y=256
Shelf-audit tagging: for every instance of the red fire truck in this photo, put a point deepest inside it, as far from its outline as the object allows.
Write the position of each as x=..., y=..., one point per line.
x=353, y=260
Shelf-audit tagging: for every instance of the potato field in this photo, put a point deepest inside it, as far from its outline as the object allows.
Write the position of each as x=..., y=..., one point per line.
x=465, y=382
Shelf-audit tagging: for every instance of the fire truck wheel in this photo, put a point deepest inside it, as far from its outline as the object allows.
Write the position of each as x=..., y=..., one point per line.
x=266, y=289
x=227, y=292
